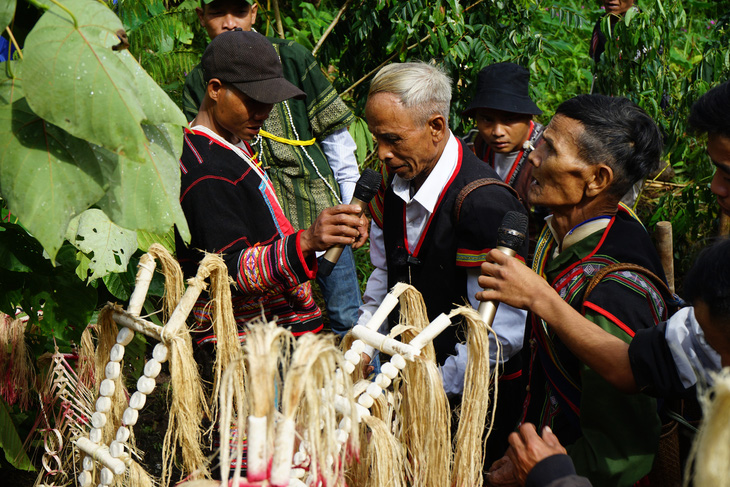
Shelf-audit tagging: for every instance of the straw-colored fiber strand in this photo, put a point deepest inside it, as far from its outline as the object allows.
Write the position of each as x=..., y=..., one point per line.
x=475, y=402
x=710, y=455
x=309, y=395
x=266, y=351
x=382, y=457
x=15, y=362
x=228, y=345
x=227, y=396
x=136, y=476
x=106, y=337
x=425, y=430
x=174, y=280
x=86, y=363
x=423, y=409
x=413, y=314
x=184, y=427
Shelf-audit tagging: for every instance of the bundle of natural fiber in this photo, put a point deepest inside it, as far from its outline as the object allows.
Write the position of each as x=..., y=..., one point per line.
x=174, y=279
x=106, y=337
x=228, y=345
x=266, y=352
x=86, y=362
x=188, y=402
x=425, y=424
x=228, y=402
x=709, y=461
x=423, y=409
x=475, y=402
x=308, y=400
x=15, y=362
x=382, y=457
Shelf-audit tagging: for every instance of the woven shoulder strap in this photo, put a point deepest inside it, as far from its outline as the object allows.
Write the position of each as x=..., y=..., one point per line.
x=478, y=183
x=620, y=266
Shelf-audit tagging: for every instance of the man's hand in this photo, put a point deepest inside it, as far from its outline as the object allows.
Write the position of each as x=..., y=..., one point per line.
x=527, y=449
x=507, y=280
x=341, y=224
x=502, y=473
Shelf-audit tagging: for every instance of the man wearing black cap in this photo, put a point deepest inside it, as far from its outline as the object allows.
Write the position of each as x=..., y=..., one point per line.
x=229, y=201
x=503, y=110
x=304, y=146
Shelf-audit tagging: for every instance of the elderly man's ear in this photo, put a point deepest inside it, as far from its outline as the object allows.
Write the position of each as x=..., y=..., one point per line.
x=438, y=127
x=601, y=179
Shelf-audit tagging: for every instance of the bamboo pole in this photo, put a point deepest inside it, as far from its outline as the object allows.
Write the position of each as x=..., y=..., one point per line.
x=665, y=247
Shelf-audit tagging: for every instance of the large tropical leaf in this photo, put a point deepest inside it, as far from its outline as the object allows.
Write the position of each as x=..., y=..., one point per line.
x=10, y=441
x=7, y=11
x=78, y=82
x=145, y=195
x=47, y=176
x=107, y=246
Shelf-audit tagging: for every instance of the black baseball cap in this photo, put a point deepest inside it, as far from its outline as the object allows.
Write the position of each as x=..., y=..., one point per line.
x=248, y=61
x=503, y=86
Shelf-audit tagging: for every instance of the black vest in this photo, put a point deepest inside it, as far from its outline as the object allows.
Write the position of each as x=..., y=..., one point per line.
x=432, y=268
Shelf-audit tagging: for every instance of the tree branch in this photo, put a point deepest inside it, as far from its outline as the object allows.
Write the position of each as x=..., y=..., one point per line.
x=330, y=28
x=277, y=16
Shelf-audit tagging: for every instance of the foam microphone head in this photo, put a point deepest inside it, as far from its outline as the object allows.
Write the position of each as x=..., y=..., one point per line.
x=367, y=186
x=513, y=230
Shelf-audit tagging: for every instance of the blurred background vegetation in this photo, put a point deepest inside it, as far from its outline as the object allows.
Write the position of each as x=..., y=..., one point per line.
x=663, y=57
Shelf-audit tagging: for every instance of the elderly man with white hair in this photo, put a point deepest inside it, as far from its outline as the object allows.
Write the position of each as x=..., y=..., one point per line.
x=428, y=230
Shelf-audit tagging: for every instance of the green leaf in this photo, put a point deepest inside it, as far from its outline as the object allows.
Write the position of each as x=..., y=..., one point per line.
x=10, y=441
x=146, y=239
x=47, y=176
x=7, y=11
x=77, y=82
x=145, y=195
x=108, y=246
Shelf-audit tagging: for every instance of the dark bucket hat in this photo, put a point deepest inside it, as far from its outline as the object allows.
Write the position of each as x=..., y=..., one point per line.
x=248, y=61
x=503, y=86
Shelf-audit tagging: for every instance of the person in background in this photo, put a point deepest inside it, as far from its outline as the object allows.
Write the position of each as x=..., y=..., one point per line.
x=304, y=147
x=506, y=132
x=615, y=9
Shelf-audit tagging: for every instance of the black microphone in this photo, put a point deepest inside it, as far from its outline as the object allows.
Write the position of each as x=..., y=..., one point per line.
x=367, y=187
x=510, y=236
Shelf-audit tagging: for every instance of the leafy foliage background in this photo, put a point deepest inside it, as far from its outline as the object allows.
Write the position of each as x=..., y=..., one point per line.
x=90, y=129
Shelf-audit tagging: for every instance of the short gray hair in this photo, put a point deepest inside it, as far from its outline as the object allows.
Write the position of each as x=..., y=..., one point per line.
x=422, y=88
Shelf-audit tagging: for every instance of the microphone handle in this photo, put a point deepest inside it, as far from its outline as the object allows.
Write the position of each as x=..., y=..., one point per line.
x=332, y=255
x=487, y=309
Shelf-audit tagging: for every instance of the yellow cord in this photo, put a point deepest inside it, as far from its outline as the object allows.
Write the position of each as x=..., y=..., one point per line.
x=268, y=135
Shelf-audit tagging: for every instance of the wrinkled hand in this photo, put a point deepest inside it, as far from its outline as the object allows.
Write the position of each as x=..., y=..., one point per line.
x=341, y=224
x=527, y=449
x=507, y=280
x=502, y=473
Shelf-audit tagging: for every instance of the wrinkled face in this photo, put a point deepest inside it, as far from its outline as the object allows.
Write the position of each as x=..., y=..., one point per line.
x=409, y=150
x=559, y=174
x=715, y=330
x=718, y=147
x=504, y=132
x=225, y=15
x=617, y=7
x=237, y=114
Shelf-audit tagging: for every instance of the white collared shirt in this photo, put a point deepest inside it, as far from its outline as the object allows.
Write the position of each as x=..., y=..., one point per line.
x=509, y=322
